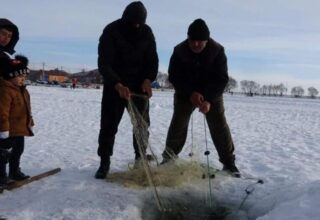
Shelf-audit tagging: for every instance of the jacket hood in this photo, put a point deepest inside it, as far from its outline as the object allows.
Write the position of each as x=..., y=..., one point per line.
x=5, y=23
x=135, y=12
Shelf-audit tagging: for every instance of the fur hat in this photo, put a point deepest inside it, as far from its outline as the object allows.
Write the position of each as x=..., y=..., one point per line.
x=11, y=68
x=135, y=12
x=198, y=30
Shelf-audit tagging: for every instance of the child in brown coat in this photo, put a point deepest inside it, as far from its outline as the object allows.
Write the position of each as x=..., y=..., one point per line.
x=15, y=117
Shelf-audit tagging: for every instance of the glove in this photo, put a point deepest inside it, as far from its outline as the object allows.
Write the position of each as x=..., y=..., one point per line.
x=4, y=134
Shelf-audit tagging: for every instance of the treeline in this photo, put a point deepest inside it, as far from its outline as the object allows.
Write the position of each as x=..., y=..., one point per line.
x=251, y=88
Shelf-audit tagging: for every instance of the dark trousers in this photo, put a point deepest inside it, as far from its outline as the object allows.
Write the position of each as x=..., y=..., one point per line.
x=11, y=150
x=219, y=129
x=112, y=109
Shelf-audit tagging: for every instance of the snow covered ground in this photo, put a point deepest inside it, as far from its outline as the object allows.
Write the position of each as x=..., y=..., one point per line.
x=276, y=139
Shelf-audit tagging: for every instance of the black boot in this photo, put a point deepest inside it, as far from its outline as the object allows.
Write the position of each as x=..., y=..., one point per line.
x=232, y=169
x=168, y=157
x=3, y=174
x=15, y=171
x=103, y=168
x=4, y=180
x=17, y=175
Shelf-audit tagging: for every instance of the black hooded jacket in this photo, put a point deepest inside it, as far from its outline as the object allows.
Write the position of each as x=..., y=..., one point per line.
x=8, y=49
x=128, y=54
x=206, y=72
x=5, y=23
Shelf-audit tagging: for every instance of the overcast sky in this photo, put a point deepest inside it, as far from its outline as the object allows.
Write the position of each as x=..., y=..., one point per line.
x=274, y=41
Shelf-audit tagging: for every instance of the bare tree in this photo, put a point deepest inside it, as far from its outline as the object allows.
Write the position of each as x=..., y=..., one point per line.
x=279, y=89
x=264, y=90
x=249, y=87
x=244, y=86
x=270, y=89
x=273, y=90
x=232, y=84
x=313, y=92
x=282, y=89
x=297, y=91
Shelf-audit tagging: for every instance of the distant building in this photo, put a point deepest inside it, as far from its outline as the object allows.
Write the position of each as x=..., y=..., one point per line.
x=48, y=75
x=56, y=75
x=85, y=77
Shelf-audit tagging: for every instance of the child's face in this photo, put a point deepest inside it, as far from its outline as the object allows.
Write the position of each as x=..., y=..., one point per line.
x=18, y=80
x=5, y=37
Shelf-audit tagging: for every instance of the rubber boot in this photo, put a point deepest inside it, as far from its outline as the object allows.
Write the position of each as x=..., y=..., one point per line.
x=232, y=169
x=18, y=175
x=103, y=168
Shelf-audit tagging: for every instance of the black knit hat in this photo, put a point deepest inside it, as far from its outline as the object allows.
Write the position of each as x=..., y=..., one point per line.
x=198, y=30
x=135, y=12
x=11, y=68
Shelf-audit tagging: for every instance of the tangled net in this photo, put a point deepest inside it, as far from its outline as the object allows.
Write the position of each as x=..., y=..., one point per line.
x=172, y=174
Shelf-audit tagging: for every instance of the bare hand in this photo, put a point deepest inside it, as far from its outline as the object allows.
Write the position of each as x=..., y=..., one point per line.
x=146, y=87
x=123, y=91
x=196, y=99
x=205, y=107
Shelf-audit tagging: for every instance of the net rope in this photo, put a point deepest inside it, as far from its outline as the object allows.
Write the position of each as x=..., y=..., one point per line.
x=141, y=133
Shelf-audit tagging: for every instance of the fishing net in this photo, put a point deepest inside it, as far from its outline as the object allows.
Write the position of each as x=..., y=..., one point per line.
x=175, y=172
x=172, y=174
x=171, y=203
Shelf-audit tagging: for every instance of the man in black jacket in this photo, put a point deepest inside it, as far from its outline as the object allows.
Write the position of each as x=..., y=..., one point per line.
x=198, y=71
x=128, y=62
